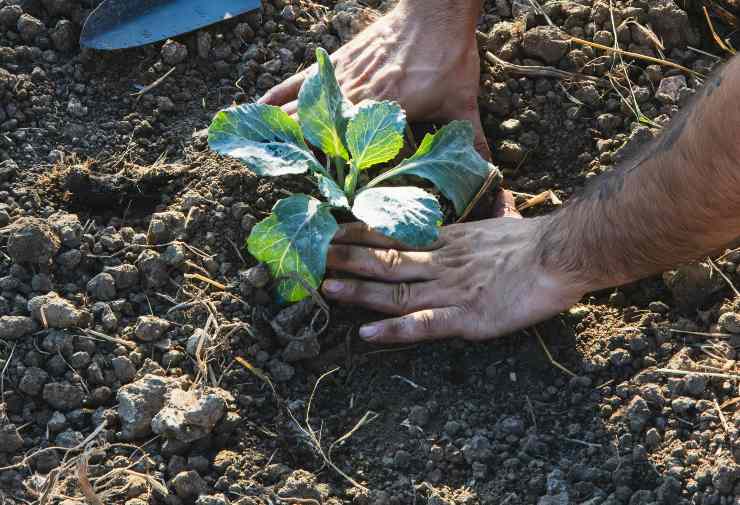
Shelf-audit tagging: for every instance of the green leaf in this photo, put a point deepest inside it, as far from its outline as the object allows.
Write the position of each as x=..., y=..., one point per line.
x=264, y=137
x=275, y=158
x=294, y=240
x=449, y=160
x=407, y=214
x=253, y=122
x=375, y=133
x=323, y=110
x=331, y=190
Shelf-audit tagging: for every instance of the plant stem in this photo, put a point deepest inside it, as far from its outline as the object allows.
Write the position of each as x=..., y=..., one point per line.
x=350, y=184
x=340, y=164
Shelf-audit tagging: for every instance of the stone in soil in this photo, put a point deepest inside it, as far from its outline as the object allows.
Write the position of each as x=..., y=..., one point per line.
x=290, y=321
x=302, y=485
x=102, y=287
x=189, y=485
x=204, y=44
x=69, y=438
x=557, y=490
x=545, y=43
x=280, y=371
x=726, y=473
x=9, y=15
x=29, y=27
x=140, y=401
x=508, y=151
x=8, y=169
x=638, y=414
x=671, y=24
x=213, y=499
x=55, y=312
x=670, y=88
x=258, y=276
x=63, y=396
x=305, y=346
x=153, y=268
x=173, y=52
x=33, y=381
x=64, y=35
x=150, y=328
x=123, y=368
x=10, y=439
x=15, y=327
x=125, y=275
x=691, y=285
x=729, y=322
x=32, y=240
x=69, y=229
x=76, y=108
x=189, y=415
x=199, y=339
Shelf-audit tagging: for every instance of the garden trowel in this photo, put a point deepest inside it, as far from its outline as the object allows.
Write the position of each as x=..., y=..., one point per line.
x=119, y=24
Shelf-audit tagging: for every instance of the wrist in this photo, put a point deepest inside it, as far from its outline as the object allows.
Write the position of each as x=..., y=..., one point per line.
x=558, y=261
x=453, y=14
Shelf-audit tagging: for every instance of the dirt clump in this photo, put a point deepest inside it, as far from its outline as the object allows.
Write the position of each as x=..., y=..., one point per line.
x=129, y=308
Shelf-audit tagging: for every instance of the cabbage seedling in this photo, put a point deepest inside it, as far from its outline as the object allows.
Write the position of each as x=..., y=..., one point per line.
x=294, y=239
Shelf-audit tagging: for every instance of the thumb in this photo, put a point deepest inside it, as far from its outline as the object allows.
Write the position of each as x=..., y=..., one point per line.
x=505, y=205
x=480, y=140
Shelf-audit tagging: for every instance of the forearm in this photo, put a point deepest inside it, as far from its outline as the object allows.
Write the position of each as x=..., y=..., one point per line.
x=677, y=201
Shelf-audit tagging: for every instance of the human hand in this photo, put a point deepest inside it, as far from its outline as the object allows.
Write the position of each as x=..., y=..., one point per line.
x=480, y=281
x=426, y=59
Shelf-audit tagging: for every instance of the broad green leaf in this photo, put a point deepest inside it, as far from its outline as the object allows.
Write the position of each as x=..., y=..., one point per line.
x=407, y=214
x=331, y=190
x=275, y=158
x=375, y=133
x=294, y=240
x=264, y=137
x=253, y=122
x=323, y=110
x=449, y=160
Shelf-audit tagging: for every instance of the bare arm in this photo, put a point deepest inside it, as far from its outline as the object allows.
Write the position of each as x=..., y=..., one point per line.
x=676, y=201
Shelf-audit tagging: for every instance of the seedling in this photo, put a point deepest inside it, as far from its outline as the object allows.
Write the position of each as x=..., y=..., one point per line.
x=294, y=240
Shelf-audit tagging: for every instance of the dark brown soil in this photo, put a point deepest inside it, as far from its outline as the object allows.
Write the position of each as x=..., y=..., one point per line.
x=450, y=422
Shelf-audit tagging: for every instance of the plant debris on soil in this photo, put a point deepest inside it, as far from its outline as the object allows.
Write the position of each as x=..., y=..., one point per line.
x=142, y=356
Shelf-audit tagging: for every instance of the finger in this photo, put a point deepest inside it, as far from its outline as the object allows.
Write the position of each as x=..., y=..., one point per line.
x=286, y=91
x=363, y=69
x=430, y=324
x=290, y=108
x=384, y=264
x=397, y=299
x=480, y=141
x=357, y=93
x=361, y=234
x=505, y=206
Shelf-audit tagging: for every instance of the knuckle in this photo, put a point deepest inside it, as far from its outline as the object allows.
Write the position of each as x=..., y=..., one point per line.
x=270, y=93
x=455, y=256
x=424, y=323
x=339, y=255
x=390, y=261
x=402, y=296
x=394, y=328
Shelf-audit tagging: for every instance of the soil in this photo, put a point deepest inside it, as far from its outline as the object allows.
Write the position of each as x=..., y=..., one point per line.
x=162, y=371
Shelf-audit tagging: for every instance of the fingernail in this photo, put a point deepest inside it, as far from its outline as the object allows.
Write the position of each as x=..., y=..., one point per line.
x=333, y=287
x=369, y=331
